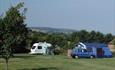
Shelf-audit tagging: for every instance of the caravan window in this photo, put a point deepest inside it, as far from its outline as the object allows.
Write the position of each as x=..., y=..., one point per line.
x=79, y=50
x=84, y=50
x=89, y=49
x=39, y=47
x=33, y=47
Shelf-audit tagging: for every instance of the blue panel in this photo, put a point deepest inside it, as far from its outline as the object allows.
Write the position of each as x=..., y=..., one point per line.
x=97, y=45
x=107, y=52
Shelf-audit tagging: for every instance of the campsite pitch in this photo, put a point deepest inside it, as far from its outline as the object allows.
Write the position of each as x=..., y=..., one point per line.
x=58, y=62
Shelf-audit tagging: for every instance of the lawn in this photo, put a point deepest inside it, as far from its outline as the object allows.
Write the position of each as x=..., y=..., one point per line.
x=58, y=62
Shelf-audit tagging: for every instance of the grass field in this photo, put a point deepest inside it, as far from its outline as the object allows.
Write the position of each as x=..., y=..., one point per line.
x=58, y=62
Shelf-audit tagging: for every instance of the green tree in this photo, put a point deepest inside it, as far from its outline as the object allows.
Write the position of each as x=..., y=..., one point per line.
x=74, y=39
x=14, y=23
x=13, y=31
x=96, y=37
x=108, y=38
x=83, y=35
x=6, y=51
x=1, y=29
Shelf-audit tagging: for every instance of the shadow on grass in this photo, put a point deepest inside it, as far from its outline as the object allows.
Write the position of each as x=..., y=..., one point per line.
x=23, y=56
x=49, y=68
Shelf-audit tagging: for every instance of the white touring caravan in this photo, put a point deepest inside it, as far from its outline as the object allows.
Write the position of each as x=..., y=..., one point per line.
x=40, y=48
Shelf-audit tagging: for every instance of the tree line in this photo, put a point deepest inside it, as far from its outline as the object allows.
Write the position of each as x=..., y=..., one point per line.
x=68, y=41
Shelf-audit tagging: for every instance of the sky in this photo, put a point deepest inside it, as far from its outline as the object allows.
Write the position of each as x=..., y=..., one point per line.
x=98, y=15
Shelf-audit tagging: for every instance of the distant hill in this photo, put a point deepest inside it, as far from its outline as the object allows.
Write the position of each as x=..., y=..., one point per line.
x=52, y=30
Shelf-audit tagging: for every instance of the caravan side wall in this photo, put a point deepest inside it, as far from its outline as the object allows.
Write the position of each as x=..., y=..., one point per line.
x=42, y=51
x=39, y=49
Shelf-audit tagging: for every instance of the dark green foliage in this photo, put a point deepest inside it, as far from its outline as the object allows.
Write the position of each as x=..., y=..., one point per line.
x=14, y=24
x=6, y=47
x=13, y=31
x=6, y=50
x=108, y=38
x=85, y=36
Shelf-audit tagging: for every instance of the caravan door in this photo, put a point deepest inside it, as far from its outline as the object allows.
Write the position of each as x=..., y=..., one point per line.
x=100, y=52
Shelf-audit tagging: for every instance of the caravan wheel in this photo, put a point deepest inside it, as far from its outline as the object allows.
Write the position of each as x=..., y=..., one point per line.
x=91, y=57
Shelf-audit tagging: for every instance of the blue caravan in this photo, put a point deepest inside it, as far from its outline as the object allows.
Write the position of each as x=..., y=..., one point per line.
x=92, y=50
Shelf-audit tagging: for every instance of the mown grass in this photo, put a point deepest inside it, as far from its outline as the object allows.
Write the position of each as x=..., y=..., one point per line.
x=58, y=62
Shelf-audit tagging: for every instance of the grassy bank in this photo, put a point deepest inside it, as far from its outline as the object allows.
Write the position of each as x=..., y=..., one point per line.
x=58, y=62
